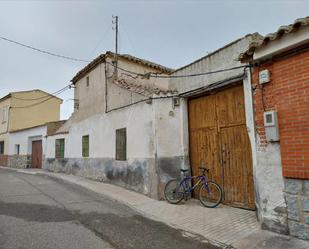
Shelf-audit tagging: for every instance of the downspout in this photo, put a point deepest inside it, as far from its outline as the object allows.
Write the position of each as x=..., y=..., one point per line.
x=250, y=120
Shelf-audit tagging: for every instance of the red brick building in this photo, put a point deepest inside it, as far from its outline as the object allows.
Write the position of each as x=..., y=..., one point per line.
x=280, y=92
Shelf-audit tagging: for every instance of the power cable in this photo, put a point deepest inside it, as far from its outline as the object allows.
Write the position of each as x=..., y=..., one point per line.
x=105, y=34
x=43, y=97
x=42, y=51
x=38, y=103
x=128, y=37
x=145, y=75
x=156, y=75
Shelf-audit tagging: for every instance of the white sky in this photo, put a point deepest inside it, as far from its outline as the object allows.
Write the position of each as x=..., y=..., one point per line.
x=172, y=33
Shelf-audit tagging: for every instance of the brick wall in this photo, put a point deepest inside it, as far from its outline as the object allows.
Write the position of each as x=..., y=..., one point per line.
x=288, y=94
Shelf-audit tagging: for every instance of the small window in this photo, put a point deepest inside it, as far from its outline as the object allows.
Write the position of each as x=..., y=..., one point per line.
x=1, y=147
x=87, y=81
x=17, y=149
x=121, y=144
x=4, y=115
x=85, y=146
x=59, y=148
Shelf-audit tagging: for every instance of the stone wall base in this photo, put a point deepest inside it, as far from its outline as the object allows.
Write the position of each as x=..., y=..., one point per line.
x=134, y=174
x=19, y=161
x=144, y=175
x=297, y=200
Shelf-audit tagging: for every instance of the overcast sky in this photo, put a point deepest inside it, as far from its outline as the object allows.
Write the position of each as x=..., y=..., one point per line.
x=172, y=33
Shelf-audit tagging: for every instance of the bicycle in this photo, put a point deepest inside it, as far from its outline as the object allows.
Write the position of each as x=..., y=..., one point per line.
x=210, y=193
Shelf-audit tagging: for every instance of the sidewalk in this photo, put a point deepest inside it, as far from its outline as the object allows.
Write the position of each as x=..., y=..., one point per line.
x=223, y=226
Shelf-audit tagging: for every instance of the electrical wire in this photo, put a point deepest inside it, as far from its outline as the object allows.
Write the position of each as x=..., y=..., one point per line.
x=145, y=75
x=156, y=75
x=42, y=51
x=38, y=103
x=43, y=97
x=140, y=101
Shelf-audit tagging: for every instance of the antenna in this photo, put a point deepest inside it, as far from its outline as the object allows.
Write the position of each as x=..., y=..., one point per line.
x=115, y=22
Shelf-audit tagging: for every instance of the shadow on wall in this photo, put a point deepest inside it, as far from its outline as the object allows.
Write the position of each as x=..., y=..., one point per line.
x=169, y=168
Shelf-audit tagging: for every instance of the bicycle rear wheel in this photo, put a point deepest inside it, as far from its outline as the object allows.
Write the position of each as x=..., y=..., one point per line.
x=210, y=194
x=174, y=192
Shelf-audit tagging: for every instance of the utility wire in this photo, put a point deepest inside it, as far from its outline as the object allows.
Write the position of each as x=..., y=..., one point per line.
x=38, y=103
x=145, y=75
x=42, y=51
x=103, y=38
x=156, y=75
x=43, y=97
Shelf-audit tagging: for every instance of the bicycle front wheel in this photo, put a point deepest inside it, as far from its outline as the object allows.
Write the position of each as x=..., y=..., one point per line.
x=210, y=194
x=174, y=192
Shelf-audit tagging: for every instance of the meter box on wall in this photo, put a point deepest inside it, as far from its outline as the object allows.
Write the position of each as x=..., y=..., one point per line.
x=271, y=126
x=264, y=76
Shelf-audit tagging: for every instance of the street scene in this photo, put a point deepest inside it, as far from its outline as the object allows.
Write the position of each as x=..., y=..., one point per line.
x=170, y=129
x=60, y=215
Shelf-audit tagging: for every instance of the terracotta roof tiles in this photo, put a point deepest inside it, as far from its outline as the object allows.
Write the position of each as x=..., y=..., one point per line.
x=261, y=41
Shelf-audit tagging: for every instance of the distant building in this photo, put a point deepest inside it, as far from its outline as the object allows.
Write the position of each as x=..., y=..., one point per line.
x=23, y=117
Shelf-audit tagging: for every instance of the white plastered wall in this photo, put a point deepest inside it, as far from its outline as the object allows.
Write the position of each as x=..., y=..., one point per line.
x=24, y=138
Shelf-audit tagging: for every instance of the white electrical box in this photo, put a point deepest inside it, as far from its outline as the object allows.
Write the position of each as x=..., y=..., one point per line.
x=264, y=76
x=271, y=126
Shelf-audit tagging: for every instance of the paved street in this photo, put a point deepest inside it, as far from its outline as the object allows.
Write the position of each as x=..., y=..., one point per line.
x=40, y=212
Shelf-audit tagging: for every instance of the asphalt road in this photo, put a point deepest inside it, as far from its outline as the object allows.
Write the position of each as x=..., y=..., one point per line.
x=43, y=213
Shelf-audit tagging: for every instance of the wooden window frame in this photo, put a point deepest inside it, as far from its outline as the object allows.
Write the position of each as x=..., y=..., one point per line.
x=121, y=144
x=85, y=142
x=59, y=152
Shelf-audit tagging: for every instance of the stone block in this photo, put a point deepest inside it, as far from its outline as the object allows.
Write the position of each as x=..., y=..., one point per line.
x=299, y=230
x=306, y=218
x=306, y=185
x=275, y=226
x=293, y=186
x=292, y=207
x=305, y=204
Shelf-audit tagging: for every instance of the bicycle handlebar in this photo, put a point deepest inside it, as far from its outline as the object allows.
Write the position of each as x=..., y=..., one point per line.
x=204, y=169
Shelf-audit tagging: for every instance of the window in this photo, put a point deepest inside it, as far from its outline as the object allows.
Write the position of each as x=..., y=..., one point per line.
x=87, y=81
x=59, y=148
x=121, y=144
x=4, y=115
x=17, y=149
x=1, y=147
x=76, y=104
x=85, y=146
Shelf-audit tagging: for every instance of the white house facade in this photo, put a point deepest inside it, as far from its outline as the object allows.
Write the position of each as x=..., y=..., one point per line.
x=137, y=130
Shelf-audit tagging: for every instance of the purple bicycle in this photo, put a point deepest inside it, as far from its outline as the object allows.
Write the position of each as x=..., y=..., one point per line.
x=210, y=193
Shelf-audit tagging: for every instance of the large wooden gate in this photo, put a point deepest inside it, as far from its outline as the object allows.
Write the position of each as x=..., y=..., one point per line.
x=219, y=140
x=36, y=154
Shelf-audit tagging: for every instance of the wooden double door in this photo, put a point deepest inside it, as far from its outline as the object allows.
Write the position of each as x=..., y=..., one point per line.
x=219, y=140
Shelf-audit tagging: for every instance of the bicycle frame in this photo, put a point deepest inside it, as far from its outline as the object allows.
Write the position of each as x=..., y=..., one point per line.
x=201, y=179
